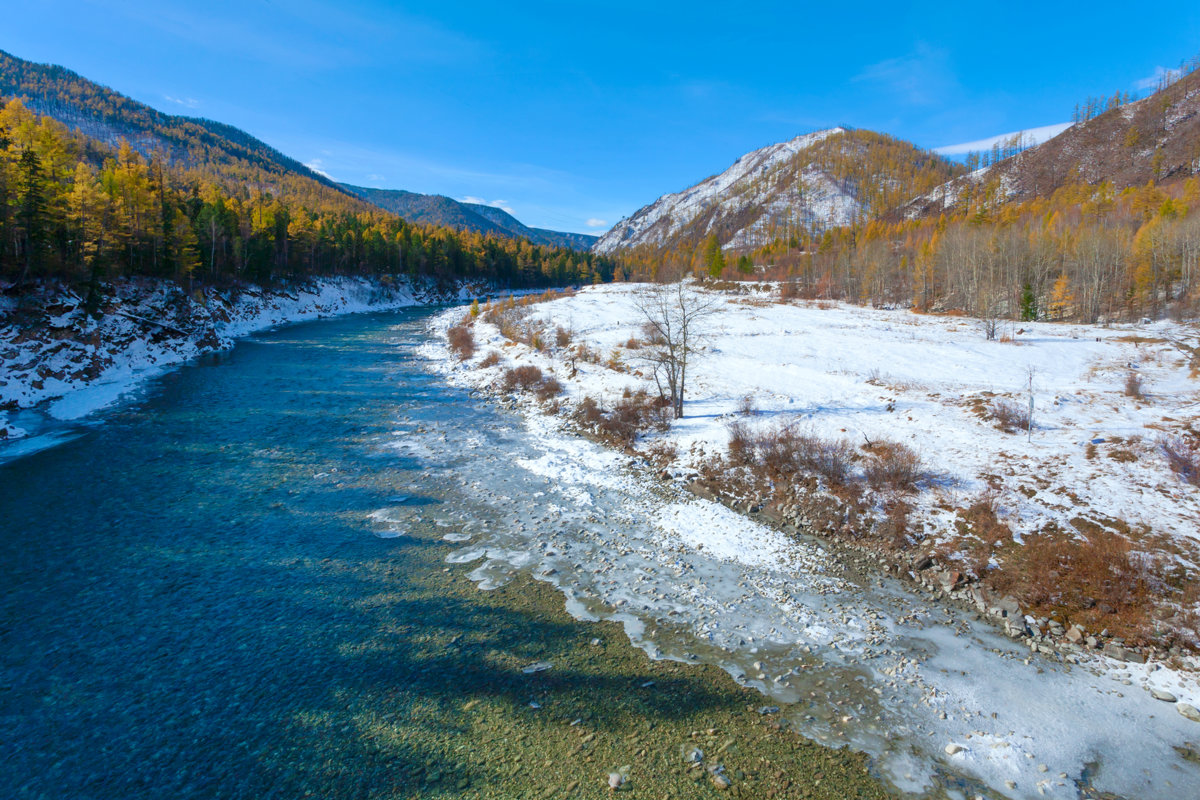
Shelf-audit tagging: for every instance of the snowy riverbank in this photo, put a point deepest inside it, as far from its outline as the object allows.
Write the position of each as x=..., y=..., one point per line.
x=52, y=352
x=925, y=688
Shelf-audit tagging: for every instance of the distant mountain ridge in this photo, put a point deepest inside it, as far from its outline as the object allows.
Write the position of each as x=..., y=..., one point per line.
x=108, y=116
x=1156, y=138
x=436, y=209
x=803, y=186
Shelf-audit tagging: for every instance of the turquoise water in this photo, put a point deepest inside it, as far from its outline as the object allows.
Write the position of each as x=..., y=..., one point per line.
x=194, y=592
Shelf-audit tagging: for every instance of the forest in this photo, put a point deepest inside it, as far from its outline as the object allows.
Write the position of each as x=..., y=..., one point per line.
x=77, y=209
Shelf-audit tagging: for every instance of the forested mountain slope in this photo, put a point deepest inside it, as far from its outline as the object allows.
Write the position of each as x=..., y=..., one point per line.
x=436, y=209
x=1124, y=145
x=800, y=187
x=191, y=199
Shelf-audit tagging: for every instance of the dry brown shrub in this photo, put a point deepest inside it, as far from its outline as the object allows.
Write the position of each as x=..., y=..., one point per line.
x=562, y=336
x=1133, y=386
x=632, y=343
x=491, y=359
x=747, y=407
x=548, y=389
x=630, y=416
x=1095, y=576
x=521, y=378
x=1010, y=417
x=1183, y=457
x=462, y=341
x=892, y=466
x=781, y=451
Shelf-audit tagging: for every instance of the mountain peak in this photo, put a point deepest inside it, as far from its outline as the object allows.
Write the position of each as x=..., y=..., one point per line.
x=804, y=185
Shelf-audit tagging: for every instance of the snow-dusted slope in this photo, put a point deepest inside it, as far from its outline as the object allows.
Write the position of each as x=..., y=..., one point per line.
x=759, y=188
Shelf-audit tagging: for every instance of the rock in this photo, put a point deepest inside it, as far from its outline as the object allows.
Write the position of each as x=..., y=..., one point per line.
x=1162, y=694
x=693, y=755
x=768, y=710
x=720, y=781
x=1189, y=711
x=1074, y=635
x=1120, y=653
x=953, y=749
x=539, y=666
x=615, y=780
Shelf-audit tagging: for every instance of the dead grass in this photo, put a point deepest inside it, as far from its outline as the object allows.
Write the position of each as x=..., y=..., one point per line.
x=491, y=359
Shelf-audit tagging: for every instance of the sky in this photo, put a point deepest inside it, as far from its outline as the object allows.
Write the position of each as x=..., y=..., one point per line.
x=573, y=115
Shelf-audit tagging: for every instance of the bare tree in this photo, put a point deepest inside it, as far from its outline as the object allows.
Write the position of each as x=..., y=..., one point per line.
x=672, y=313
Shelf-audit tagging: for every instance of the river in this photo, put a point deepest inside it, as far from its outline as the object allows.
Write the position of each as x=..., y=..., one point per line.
x=262, y=578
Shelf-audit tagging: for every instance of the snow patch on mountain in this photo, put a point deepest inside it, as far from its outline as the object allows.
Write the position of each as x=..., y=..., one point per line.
x=752, y=183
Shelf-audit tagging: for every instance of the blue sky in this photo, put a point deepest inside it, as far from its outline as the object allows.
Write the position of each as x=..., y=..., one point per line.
x=573, y=115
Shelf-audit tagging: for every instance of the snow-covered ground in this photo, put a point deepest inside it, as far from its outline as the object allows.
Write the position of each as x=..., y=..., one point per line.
x=863, y=374
x=948, y=690
x=76, y=364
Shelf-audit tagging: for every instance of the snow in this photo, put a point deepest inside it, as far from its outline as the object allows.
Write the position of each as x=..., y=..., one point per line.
x=49, y=363
x=870, y=663
x=748, y=182
x=1029, y=137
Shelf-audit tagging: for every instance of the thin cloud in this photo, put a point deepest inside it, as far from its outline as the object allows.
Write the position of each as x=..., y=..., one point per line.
x=186, y=102
x=316, y=165
x=1161, y=75
x=1029, y=137
x=921, y=78
x=479, y=201
x=597, y=223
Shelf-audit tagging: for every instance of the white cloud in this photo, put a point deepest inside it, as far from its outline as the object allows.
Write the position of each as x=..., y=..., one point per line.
x=597, y=223
x=376, y=178
x=186, y=102
x=1029, y=137
x=317, y=166
x=1161, y=75
x=479, y=201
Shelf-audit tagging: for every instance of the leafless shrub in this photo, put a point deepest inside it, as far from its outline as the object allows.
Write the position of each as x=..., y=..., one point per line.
x=1010, y=417
x=1133, y=386
x=491, y=359
x=521, y=378
x=629, y=417
x=893, y=466
x=548, y=389
x=788, y=291
x=1183, y=457
x=781, y=451
x=1097, y=570
x=747, y=407
x=632, y=343
x=462, y=341
x=562, y=337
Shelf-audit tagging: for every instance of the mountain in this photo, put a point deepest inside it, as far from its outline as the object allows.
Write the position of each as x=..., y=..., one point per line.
x=107, y=116
x=1153, y=139
x=436, y=209
x=800, y=187
x=95, y=186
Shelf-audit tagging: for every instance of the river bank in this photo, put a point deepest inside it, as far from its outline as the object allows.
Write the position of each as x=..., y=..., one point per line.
x=1047, y=713
x=57, y=353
